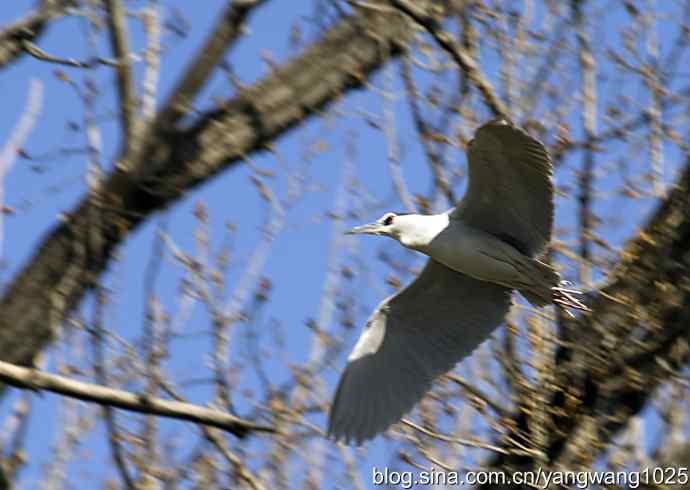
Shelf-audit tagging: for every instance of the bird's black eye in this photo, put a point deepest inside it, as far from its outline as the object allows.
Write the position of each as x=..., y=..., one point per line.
x=388, y=220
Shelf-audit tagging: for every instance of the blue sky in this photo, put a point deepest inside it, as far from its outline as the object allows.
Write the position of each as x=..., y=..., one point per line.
x=299, y=256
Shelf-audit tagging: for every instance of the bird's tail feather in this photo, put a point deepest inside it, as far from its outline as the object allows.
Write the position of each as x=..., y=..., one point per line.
x=542, y=279
x=545, y=288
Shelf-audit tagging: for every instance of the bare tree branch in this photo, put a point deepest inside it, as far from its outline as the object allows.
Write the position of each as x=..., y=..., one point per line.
x=40, y=54
x=212, y=435
x=467, y=442
x=604, y=375
x=230, y=26
x=120, y=46
x=581, y=381
x=9, y=152
x=175, y=162
x=28, y=29
x=35, y=379
x=464, y=60
x=589, y=118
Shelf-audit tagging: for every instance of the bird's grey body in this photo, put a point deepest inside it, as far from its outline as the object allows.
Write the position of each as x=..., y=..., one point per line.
x=479, y=253
x=483, y=256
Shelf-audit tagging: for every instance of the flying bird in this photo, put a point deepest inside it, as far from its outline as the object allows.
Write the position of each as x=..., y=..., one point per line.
x=479, y=252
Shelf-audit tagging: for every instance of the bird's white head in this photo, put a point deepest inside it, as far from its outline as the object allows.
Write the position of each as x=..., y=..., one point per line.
x=412, y=230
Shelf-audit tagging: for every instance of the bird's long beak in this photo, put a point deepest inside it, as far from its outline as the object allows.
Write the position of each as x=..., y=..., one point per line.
x=368, y=229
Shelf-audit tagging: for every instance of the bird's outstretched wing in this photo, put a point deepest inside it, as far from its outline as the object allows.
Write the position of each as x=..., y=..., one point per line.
x=412, y=337
x=510, y=189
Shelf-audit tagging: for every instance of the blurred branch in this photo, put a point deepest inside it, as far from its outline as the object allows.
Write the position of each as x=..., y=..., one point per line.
x=28, y=29
x=173, y=163
x=393, y=145
x=619, y=131
x=125, y=84
x=240, y=468
x=35, y=379
x=115, y=439
x=472, y=391
x=214, y=438
x=40, y=54
x=76, y=423
x=9, y=152
x=589, y=118
x=464, y=60
x=230, y=26
x=152, y=27
x=655, y=84
x=468, y=442
x=13, y=440
x=424, y=133
x=605, y=373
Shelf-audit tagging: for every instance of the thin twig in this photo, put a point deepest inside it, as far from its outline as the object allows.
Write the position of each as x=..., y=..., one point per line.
x=464, y=60
x=424, y=133
x=28, y=29
x=589, y=114
x=42, y=55
x=114, y=436
x=230, y=26
x=219, y=442
x=117, y=28
x=476, y=392
x=393, y=144
x=152, y=27
x=469, y=442
x=9, y=152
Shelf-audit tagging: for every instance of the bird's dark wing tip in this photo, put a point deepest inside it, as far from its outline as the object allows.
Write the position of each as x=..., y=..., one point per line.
x=340, y=437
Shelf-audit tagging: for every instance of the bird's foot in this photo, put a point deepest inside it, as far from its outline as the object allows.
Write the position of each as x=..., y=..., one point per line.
x=565, y=298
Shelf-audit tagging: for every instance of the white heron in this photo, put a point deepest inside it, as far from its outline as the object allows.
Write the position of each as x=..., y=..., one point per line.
x=480, y=251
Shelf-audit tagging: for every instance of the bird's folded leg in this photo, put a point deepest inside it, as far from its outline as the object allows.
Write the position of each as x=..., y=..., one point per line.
x=564, y=298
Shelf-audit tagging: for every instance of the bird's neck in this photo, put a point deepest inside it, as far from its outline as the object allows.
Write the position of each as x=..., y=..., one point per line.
x=420, y=231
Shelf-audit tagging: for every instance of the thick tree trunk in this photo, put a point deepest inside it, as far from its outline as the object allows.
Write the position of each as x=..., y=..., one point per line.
x=612, y=359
